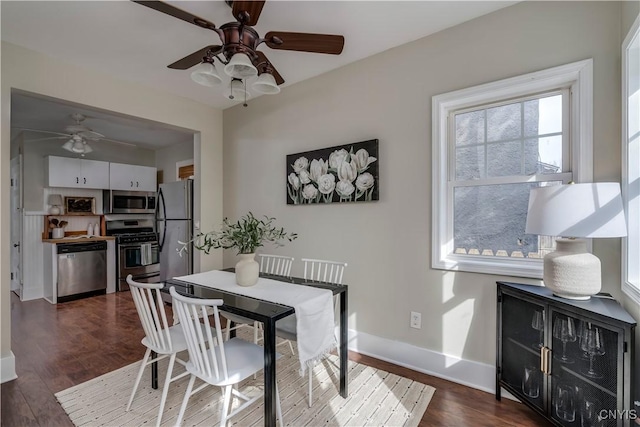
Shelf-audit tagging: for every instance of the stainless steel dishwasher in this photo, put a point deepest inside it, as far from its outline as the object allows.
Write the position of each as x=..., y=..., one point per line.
x=82, y=269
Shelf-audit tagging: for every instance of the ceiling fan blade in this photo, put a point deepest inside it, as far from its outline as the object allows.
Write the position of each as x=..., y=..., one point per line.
x=91, y=135
x=247, y=12
x=305, y=42
x=177, y=13
x=262, y=58
x=45, y=131
x=46, y=139
x=195, y=58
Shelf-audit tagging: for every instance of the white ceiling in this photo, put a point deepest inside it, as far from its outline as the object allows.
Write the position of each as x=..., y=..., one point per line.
x=135, y=43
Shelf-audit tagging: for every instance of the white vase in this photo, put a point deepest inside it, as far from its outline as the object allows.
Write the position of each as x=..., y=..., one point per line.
x=247, y=270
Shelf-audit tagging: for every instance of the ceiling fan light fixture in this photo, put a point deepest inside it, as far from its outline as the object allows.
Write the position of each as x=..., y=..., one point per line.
x=68, y=145
x=205, y=74
x=79, y=147
x=237, y=91
x=266, y=84
x=240, y=67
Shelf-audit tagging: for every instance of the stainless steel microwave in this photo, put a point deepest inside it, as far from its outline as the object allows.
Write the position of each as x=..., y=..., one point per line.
x=121, y=202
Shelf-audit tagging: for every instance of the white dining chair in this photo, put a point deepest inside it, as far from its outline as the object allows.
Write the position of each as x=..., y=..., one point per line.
x=223, y=364
x=277, y=265
x=164, y=340
x=319, y=271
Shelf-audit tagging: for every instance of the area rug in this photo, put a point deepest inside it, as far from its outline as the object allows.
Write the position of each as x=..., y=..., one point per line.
x=376, y=398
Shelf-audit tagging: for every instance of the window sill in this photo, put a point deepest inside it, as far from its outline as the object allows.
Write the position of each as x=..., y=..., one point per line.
x=631, y=291
x=527, y=268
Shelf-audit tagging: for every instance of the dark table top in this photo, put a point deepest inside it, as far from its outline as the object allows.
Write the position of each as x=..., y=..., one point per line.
x=250, y=307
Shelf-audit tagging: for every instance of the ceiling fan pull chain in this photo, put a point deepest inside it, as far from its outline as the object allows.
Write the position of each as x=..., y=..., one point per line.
x=245, y=92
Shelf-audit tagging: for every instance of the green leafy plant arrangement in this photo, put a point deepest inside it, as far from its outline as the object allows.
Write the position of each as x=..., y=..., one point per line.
x=246, y=235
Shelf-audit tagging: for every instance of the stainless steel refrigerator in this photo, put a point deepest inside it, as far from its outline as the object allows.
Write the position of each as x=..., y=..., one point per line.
x=174, y=223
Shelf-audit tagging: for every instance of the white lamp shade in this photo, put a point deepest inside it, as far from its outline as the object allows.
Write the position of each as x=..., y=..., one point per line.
x=68, y=145
x=577, y=210
x=77, y=145
x=206, y=74
x=266, y=84
x=240, y=67
x=55, y=199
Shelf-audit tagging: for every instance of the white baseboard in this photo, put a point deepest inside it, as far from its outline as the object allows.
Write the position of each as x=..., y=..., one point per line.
x=466, y=372
x=8, y=368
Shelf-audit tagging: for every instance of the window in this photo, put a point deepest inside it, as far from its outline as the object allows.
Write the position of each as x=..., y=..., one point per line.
x=491, y=145
x=631, y=161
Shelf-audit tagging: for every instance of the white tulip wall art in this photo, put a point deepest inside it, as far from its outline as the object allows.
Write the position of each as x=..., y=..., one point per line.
x=345, y=173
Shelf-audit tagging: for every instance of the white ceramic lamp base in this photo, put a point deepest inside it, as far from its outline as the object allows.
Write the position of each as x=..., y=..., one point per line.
x=572, y=272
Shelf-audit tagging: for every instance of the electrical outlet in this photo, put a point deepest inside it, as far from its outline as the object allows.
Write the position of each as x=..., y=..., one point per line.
x=416, y=320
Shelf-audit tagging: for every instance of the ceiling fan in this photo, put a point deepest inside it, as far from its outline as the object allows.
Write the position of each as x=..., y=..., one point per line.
x=238, y=51
x=77, y=136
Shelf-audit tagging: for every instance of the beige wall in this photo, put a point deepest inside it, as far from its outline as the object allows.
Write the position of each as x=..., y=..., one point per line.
x=388, y=243
x=167, y=158
x=33, y=72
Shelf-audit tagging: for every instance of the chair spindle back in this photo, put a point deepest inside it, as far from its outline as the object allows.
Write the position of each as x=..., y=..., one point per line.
x=209, y=360
x=324, y=271
x=277, y=265
x=150, y=307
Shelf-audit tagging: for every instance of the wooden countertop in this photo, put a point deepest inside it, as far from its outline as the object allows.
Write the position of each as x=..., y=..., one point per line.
x=78, y=239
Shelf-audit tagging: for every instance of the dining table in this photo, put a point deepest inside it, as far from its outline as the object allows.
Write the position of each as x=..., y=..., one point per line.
x=268, y=313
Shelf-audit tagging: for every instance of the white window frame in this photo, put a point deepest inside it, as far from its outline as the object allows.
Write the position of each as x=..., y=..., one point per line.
x=578, y=78
x=628, y=287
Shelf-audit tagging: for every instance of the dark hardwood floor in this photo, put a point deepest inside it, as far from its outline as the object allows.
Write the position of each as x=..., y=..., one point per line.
x=58, y=346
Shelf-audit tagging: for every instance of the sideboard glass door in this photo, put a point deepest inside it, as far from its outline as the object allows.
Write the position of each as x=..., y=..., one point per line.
x=523, y=337
x=584, y=377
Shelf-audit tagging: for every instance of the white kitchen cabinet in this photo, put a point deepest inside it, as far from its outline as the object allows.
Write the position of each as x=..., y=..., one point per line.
x=132, y=177
x=77, y=173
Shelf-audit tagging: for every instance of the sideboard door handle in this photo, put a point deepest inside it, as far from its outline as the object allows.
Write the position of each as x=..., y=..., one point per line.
x=547, y=361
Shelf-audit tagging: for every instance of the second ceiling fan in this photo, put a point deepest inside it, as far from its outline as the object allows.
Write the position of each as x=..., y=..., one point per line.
x=238, y=49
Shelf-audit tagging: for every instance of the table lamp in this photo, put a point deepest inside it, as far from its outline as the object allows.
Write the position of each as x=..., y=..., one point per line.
x=55, y=200
x=575, y=212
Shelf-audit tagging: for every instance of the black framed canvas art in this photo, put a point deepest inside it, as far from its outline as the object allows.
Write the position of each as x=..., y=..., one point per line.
x=340, y=174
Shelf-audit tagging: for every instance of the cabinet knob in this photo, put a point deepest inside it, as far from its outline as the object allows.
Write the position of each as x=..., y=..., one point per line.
x=132, y=183
x=137, y=184
x=77, y=180
x=85, y=180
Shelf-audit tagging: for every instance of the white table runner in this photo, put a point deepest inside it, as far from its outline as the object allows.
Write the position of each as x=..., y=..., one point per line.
x=313, y=306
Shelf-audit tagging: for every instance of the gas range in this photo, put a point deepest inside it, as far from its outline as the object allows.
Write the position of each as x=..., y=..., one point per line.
x=139, y=237
x=131, y=230
x=137, y=249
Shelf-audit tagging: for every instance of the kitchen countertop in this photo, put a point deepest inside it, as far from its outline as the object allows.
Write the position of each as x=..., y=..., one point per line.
x=79, y=239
